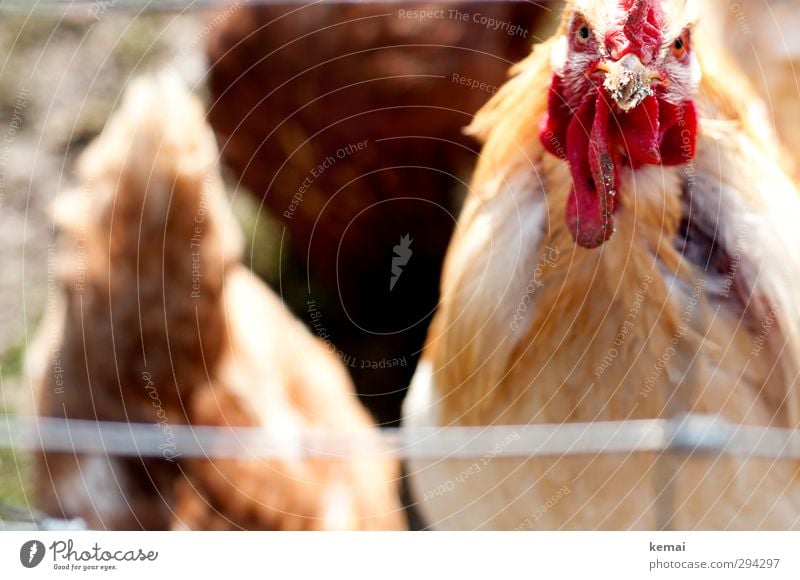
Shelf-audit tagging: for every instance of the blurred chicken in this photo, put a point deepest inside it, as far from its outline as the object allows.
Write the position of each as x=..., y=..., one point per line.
x=627, y=252
x=293, y=87
x=162, y=324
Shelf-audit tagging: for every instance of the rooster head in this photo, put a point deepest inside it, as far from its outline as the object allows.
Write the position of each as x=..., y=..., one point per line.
x=621, y=95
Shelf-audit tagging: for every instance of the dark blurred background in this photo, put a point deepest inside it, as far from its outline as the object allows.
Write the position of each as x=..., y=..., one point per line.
x=346, y=120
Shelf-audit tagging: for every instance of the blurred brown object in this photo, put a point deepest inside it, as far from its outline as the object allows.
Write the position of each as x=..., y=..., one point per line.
x=161, y=323
x=347, y=119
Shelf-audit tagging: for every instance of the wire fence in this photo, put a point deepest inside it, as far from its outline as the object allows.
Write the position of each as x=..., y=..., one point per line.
x=684, y=434
x=688, y=434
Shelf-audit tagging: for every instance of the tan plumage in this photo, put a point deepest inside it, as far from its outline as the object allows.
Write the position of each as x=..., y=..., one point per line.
x=161, y=323
x=534, y=329
x=762, y=36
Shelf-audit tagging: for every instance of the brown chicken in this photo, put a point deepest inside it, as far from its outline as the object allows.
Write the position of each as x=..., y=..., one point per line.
x=347, y=119
x=626, y=252
x=162, y=324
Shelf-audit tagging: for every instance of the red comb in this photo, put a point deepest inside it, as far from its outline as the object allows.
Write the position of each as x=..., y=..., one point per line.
x=642, y=29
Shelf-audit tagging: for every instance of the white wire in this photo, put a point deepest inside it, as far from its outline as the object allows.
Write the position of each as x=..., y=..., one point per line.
x=686, y=434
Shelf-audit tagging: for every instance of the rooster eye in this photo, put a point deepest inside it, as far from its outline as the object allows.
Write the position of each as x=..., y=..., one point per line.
x=580, y=32
x=681, y=45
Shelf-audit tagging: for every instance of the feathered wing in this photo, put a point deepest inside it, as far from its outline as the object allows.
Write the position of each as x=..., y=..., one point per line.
x=752, y=209
x=275, y=374
x=742, y=197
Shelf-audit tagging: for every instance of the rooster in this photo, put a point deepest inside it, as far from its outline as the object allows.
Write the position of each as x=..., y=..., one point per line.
x=622, y=255
x=161, y=323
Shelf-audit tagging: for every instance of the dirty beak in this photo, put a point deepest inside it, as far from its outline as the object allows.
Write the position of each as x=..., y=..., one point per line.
x=628, y=81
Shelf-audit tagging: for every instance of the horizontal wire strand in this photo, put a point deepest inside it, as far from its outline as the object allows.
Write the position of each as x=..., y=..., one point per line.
x=684, y=434
x=688, y=434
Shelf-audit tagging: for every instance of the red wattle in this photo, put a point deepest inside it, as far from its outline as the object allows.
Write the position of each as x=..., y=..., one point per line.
x=588, y=211
x=597, y=138
x=602, y=159
x=553, y=133
x=639, y=131
x=679, y=139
